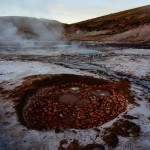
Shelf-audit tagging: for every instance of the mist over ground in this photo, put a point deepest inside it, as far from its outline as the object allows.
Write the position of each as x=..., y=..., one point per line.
x=27, y=30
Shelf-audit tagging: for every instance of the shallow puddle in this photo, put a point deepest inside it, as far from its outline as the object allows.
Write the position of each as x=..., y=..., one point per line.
x=100, y=93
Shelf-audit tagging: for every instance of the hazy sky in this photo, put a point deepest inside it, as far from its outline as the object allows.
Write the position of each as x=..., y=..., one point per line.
x=67, y=11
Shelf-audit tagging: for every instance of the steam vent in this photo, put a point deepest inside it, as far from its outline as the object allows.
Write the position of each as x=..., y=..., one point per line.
x=73, y=101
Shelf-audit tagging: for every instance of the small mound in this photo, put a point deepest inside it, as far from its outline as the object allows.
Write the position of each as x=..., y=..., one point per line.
x=73, y=101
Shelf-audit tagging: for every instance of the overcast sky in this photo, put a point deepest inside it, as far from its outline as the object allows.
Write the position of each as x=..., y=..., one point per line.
x=66, y=11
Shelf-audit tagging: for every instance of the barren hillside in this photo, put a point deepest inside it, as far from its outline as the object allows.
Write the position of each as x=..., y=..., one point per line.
x=128, y=26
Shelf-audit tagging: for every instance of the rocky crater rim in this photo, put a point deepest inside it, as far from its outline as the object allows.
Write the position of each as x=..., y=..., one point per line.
x=71, y=101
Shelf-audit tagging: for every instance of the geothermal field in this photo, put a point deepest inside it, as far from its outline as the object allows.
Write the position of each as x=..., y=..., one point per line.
x=68, y=96
x=80, y=86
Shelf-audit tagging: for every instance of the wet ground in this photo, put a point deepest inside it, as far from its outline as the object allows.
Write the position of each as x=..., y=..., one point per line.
x=109, y=63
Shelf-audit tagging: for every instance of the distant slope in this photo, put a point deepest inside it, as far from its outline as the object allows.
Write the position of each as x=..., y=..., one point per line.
x=110, y=25
x=29, y=28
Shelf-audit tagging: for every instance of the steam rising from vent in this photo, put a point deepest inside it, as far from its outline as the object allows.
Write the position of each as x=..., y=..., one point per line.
x=24, y=29
x=8, y=31
x=25, y=35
